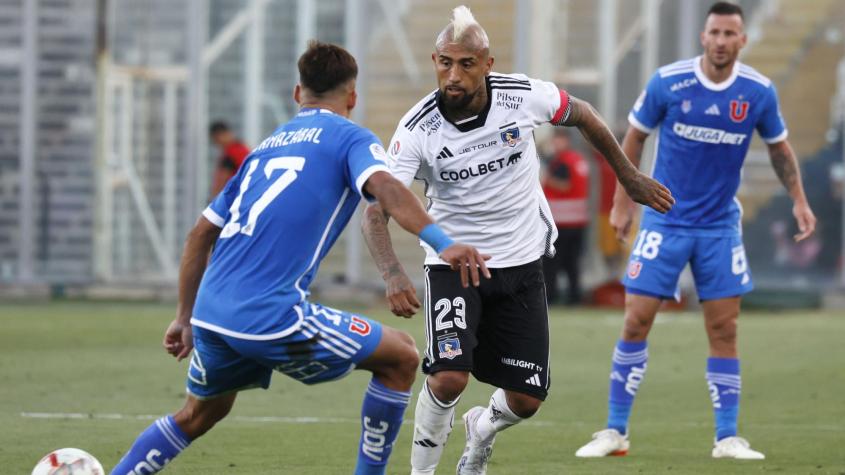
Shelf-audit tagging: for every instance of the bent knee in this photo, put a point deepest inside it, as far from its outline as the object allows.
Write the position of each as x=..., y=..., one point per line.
x=408, y=358
x=448, y=385
x=399, y=369
x=195, y=422
x=523, y=405
x=407, y=339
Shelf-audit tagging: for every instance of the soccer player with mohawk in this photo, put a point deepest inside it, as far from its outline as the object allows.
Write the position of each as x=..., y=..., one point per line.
x=471, y=141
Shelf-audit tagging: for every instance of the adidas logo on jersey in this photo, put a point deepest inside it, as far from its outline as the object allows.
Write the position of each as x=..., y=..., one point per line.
x=534, y=380
x=713, y=110
x=445, y=153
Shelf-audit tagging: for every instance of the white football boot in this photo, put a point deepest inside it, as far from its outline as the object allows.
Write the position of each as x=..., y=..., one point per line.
x=735, y=448
x=475, y=457
x=607, y=442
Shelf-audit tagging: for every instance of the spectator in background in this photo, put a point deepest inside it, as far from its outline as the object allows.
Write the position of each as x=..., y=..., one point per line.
x=233, y=152
x=566, y=186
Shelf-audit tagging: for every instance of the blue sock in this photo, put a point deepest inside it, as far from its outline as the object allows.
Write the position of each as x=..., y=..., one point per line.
x=160, y=443
x=381, y=419
x=626, y=374
x=725, y=385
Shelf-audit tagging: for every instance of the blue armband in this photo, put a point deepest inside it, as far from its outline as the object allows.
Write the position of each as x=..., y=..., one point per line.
x=436, y=238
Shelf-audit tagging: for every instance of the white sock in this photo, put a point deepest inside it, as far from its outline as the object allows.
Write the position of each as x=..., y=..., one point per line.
x=496, y=418
x=433, y=421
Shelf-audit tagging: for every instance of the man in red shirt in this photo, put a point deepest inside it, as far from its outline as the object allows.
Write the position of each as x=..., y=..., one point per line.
x=233, y=152
x=566, y=186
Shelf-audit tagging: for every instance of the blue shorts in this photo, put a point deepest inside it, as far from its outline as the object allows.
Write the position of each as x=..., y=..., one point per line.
x=327, y=346
x=660, y=254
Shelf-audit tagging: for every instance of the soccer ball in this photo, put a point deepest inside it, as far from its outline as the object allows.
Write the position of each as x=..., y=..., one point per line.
x=68, y=462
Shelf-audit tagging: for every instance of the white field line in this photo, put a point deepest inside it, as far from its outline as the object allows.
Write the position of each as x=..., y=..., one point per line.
x=151, y=417
x=258, y=419
x=346, y=420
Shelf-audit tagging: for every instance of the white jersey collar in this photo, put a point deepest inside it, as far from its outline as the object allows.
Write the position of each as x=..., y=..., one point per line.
x=706, y=82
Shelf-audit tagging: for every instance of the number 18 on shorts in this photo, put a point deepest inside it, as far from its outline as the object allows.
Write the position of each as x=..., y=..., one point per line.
x=660, y=253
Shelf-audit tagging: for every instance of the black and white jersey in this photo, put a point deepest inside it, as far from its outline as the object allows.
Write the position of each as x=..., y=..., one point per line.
x=482, y=174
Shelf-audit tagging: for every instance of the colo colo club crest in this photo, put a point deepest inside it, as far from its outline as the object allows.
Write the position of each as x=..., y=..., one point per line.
x=449, y=348
x=511, y=137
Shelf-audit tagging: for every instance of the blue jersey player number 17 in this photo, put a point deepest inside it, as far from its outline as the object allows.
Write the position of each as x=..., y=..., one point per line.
x=244, y=311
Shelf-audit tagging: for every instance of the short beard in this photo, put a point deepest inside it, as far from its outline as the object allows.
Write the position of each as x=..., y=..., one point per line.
x=457, y=105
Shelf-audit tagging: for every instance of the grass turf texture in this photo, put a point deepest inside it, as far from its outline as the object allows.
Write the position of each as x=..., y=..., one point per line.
x=100, y=358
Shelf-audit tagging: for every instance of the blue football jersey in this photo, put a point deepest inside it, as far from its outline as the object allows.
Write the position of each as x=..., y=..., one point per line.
x=280, y=215
x=705, y=129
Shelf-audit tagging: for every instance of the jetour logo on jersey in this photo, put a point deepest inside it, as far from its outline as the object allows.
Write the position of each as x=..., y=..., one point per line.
x=739, y=110
x=707, y=135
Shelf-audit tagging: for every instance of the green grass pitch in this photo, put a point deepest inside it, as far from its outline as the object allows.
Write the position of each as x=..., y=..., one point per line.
x=104, y=361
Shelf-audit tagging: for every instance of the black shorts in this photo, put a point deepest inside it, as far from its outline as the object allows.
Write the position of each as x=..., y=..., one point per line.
x=498, y=331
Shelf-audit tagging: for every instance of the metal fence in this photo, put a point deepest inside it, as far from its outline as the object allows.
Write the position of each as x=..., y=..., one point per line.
x=104, y=109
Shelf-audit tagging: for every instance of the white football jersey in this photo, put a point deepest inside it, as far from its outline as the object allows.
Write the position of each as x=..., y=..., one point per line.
x=482, y=174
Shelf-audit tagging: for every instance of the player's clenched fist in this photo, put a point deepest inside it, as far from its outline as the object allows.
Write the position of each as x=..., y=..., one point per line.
x=401, y=294
x=645, y=190
x=468, y=261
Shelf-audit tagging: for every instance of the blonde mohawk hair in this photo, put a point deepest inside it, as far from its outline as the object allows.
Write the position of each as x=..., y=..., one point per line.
x=464, y=29
x=462, y=19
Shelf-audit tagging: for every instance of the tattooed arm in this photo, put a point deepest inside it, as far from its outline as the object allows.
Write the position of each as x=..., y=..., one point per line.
x=401, y=294
x=786, y=167
x=639, y=187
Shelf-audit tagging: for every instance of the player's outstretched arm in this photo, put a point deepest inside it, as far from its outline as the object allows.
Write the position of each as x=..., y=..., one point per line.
x=786, y=166
x=401, y=294
x=399, y=202
x=178, y=339
x=639, y=187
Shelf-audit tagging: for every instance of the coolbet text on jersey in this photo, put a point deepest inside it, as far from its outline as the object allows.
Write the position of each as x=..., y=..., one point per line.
x=482, y=173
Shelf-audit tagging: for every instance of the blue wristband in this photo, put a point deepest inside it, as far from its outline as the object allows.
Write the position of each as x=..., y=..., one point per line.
x=436, y=238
